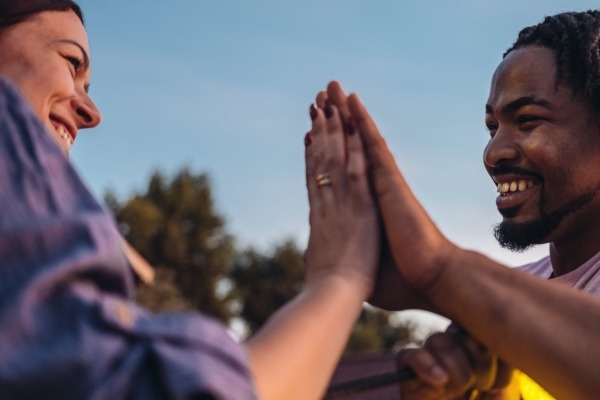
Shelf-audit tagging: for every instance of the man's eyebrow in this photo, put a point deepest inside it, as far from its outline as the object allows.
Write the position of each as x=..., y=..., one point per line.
x=521, y=102
x=86, y=57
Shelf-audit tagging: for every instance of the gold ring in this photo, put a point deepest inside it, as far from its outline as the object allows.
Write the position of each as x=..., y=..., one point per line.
x=323, y=179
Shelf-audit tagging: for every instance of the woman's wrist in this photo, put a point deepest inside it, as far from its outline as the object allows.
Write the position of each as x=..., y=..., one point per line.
x=346, y=277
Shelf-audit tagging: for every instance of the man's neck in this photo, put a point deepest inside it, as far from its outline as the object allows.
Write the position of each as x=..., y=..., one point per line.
x=568, y=257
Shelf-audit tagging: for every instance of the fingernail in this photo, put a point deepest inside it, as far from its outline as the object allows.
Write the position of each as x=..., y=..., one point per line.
x=313, y=112
x=307, y=139
x=328, y=109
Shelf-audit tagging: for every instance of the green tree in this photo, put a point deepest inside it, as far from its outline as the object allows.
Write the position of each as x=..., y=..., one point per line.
x=163, y=295
x=378, y=329
x=264, y=283
x=174, y=225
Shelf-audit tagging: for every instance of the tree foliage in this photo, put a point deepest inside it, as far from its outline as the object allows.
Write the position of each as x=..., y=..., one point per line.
x=173, y=223
x=175, y=226
x=263, y=283
x=378, y=329
x=164, y=294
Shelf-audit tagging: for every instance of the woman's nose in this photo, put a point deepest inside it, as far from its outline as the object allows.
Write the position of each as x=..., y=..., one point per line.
x=88, y=115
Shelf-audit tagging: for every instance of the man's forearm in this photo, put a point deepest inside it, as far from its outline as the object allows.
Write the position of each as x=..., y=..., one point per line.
x=542, y=327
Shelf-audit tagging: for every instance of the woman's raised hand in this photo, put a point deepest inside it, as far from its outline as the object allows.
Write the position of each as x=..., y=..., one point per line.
x=345, y=232
x=341, y=261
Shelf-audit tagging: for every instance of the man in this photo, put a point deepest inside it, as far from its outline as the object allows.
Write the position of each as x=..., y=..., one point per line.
x=544, y=156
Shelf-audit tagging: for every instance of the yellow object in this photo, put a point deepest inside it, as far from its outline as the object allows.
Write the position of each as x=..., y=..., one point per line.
x=531, y=390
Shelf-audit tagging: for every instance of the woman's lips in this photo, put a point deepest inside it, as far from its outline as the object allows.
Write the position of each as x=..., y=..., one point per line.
x=63, y=132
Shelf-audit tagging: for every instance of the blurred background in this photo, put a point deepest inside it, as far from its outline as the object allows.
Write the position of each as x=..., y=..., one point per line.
x=205, y=106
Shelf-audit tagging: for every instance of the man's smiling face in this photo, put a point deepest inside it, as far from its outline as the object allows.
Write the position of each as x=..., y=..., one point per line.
x=543, y=153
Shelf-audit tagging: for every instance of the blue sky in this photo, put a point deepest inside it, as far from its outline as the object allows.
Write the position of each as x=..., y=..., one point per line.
x=224, y=88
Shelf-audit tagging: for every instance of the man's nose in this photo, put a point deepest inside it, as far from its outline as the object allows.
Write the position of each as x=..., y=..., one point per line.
x=501, y=149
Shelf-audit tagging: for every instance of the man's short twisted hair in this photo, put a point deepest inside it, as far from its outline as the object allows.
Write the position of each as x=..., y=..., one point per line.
x=575, y=39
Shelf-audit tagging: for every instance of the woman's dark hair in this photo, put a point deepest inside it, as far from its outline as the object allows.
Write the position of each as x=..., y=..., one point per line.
x=575, y=39
x=13, y=12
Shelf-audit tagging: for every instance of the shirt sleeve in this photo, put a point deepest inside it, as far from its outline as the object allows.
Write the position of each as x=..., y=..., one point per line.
x=68, y=329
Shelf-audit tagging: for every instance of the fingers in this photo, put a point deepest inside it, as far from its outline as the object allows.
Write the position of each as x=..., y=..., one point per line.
x=441, y=367
x=419, y=249
x=453, y=364
x=357, y=162
x=504, y=375
x=314, y=155
x=326, y=160
x=321, y=99
x=335, y=162
x=490, y=371
x=358, y=180
x=453, y=359
x=484, y=363
x=430, y=380
x=335, y=95
x=344, y=240
x=319, y=150
x=338, y=97
x=424, y=364
x=377, y=150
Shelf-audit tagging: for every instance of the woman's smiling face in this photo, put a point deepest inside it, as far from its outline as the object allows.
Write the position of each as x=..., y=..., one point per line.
x=47, y=57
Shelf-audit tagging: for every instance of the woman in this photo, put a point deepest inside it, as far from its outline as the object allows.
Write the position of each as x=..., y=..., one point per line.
x=69, y=327
x=58, y=95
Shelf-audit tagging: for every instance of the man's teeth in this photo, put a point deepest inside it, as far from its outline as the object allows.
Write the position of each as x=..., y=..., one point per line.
x=514, y=186
x=64, y=134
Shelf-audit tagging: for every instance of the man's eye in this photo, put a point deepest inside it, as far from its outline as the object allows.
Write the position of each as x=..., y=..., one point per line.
x=524, y=119
x=491, y=128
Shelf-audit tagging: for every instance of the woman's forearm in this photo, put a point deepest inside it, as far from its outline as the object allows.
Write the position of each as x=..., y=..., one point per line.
x=294, y=355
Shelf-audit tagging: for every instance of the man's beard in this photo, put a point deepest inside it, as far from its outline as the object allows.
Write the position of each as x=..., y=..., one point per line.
x=521, y=236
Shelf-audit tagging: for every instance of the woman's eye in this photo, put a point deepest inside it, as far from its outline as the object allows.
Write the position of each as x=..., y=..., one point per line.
x=74, y=61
